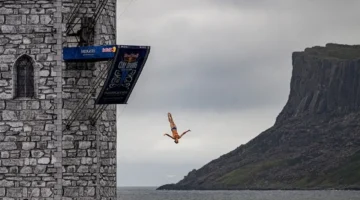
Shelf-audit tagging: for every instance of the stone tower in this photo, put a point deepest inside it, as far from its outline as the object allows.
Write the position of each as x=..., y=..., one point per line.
x=40, y=157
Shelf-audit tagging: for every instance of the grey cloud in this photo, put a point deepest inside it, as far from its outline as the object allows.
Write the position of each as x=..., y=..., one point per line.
x=319, y=5
x=210, y=77
x=222, y=65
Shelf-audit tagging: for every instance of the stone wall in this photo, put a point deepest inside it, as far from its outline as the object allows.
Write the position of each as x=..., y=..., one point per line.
x=79, y=143
x=106, y=35
x=39, y=158
x=89, y=151
x=27, y=127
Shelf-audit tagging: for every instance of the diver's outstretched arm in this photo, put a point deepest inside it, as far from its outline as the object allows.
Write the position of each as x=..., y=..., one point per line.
x=184, y=133
x=168, y=135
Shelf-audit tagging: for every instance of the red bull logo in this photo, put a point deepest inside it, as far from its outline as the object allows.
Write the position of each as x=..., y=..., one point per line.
x=109, y=50
x=129, y=58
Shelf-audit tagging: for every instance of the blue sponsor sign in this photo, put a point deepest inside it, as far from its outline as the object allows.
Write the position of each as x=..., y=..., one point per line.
x=123, y=74
x=89, y=53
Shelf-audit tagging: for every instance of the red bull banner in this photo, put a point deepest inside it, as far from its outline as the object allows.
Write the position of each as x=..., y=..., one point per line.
x=123, y=74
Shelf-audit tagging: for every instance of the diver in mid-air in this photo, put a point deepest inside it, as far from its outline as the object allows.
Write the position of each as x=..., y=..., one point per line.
x=175, y=136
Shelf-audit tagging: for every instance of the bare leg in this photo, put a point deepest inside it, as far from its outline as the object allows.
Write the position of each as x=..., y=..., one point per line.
x=170, y=118
x=172, y=124
x=184, y=133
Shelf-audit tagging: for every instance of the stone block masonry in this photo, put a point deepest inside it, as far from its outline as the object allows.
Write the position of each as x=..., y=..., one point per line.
x=39, y=159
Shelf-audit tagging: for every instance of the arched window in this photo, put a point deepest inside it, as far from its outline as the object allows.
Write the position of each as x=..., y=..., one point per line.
x=24, y=67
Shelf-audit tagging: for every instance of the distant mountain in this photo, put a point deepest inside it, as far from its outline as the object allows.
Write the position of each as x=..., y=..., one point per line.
x=315, y=141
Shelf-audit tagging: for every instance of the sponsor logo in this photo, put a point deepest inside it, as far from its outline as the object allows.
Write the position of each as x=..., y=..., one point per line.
x=130, y=58
x=86, y=51
x=109, y=49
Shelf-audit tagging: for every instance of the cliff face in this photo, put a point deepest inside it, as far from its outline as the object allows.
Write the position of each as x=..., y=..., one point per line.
x=324, y=80
x=315, y=141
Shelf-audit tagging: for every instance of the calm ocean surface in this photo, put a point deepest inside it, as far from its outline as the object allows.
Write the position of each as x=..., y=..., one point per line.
x=149, y=193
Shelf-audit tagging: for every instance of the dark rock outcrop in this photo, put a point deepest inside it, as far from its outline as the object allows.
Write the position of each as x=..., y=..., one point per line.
x=315, y=141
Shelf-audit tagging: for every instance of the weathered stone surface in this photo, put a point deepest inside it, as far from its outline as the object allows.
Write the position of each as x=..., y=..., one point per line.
x=68, y=144
x=8, y=29
x=37, y=153
x=6, y=183
x=10, y=139
x=28, y=145
x=33, y=19
x=14, y=170
x=27, y=128
x=14, y=192
x=86, y=161
x=4, y=128
x=3, y=170
x=5, y=154
x=34, y=192
x=26, y=40
x=13, y=19
x=4, y=83
x=33, y=105
x=15, y=124
x=46, y=192
x=45, y=19
x=24, y=11
x=39, y=169
x=10, y=51
x=71, y=161
x=44, y=73
x=7, y=146
x=2, y=192
x=84, y=144
x=9, y=115
x=6, y=11
x=26, y=170
x=83, y=81
x=7, y=58
x=50, y=127
x=13, y=162
x=4, y=41
x=89, y=191
x=44, y=161
x=72, y=192
x=83, y=169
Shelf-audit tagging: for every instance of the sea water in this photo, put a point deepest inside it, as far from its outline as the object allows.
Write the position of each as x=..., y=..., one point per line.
x=149, y=193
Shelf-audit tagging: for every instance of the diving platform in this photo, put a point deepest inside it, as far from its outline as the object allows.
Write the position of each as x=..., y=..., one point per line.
x=124, y=66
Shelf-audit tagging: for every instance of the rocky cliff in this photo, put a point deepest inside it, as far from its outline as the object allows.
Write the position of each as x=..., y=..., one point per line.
x=315, y=141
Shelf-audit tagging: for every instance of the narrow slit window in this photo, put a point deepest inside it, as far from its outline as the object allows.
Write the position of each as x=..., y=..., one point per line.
x=25, y=77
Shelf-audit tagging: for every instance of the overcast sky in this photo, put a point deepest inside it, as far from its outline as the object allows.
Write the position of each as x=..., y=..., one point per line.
x=221, y=67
